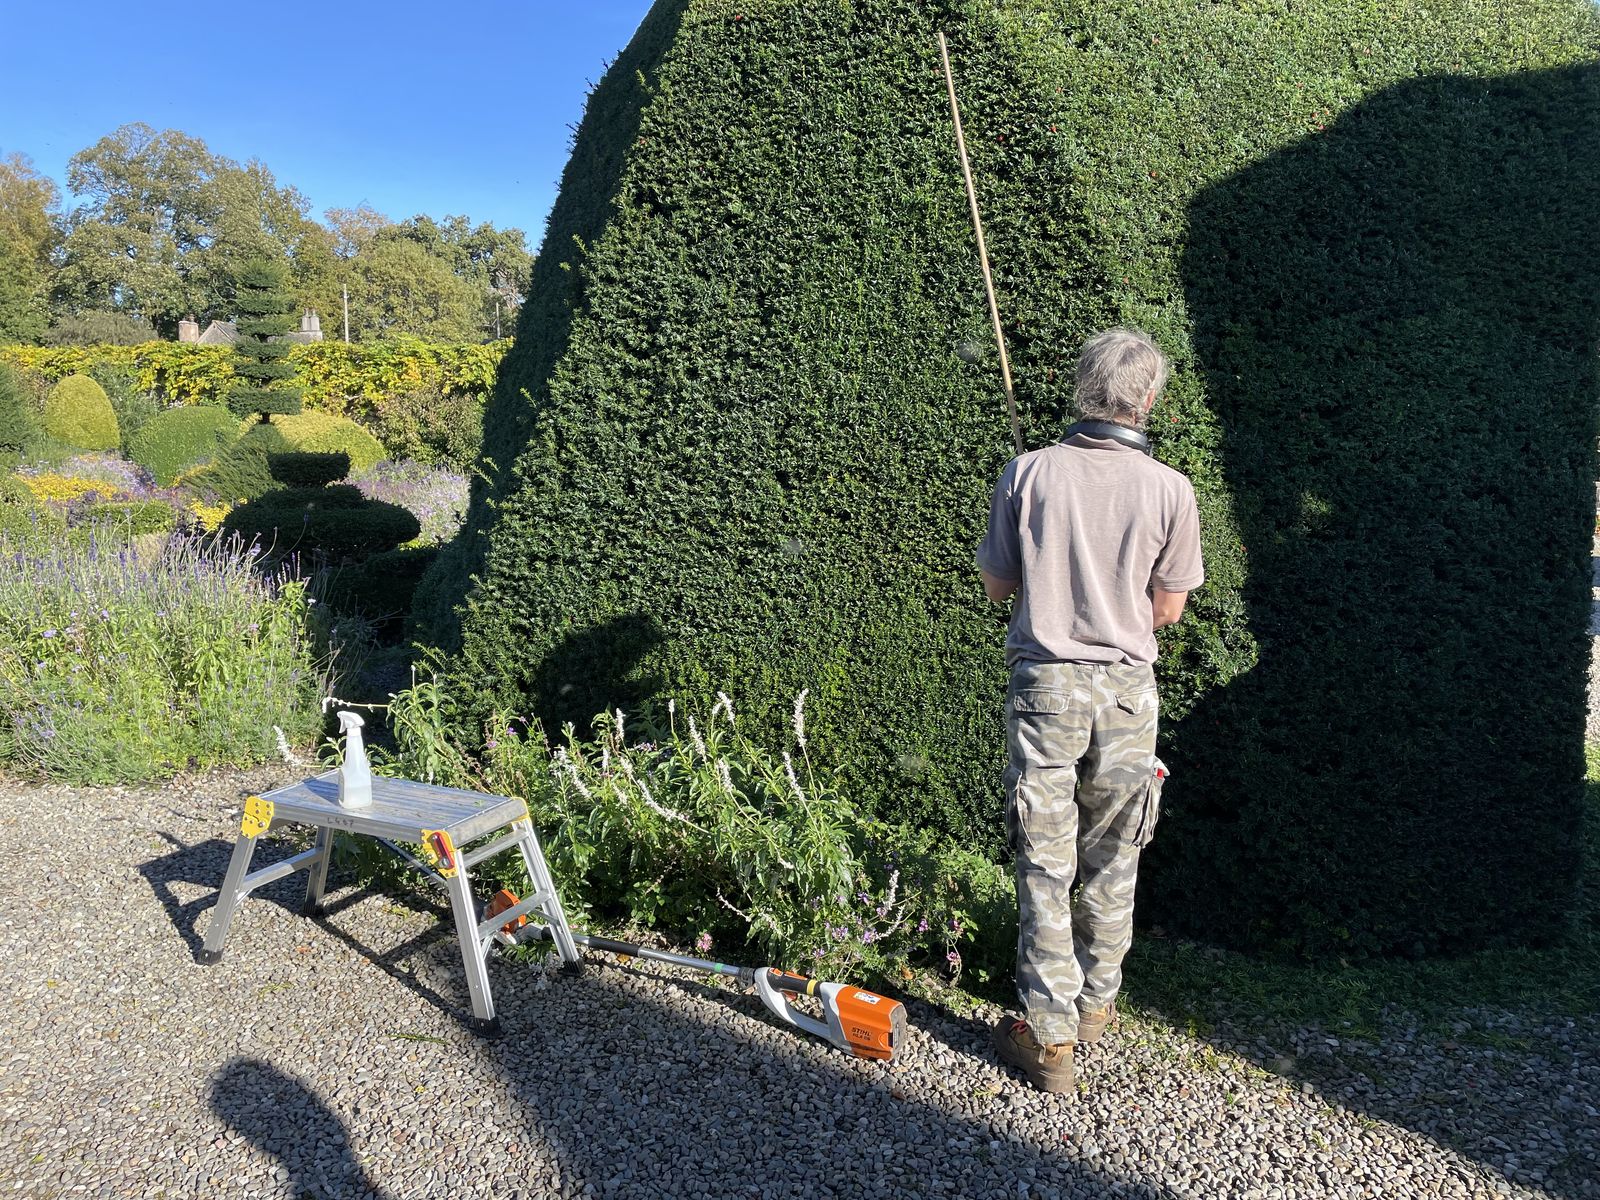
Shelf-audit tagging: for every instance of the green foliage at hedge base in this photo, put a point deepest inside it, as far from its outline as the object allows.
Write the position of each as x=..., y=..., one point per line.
x=735, y=447
x=78, y=413
x=434, y=428
x=179, y=439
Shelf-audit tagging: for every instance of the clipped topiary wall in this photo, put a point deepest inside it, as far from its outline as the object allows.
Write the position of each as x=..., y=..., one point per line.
x=735, y=447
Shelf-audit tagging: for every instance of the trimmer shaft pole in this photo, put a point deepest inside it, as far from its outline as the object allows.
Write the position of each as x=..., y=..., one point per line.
x=983, y=250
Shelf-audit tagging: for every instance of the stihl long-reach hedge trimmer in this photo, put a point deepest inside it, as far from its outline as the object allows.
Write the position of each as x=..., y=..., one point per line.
x=860, y=1022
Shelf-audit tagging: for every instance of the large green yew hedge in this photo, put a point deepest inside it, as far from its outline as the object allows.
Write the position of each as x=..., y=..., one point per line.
x=735, y=446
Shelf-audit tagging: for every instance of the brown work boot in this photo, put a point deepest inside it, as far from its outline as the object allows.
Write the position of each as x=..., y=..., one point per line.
x=1048, y=1068
x=1092, y=1024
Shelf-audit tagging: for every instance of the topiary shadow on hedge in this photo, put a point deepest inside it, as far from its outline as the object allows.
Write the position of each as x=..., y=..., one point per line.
x=1396, y=321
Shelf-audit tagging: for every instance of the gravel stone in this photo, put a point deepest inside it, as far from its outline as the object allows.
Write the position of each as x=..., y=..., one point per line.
x=331, y=1059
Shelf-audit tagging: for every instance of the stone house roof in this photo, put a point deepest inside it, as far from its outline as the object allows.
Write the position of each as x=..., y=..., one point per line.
x=225, y=333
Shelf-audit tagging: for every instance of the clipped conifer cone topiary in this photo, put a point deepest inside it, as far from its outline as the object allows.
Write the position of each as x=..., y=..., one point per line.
x=743, y=443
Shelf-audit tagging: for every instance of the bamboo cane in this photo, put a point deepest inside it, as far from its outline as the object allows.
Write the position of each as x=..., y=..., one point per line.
x=983, y=251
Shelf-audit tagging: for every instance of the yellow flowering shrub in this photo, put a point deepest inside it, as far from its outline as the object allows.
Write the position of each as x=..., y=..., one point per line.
x=65, y=489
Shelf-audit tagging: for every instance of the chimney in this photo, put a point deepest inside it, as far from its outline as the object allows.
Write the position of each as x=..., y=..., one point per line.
x=310, y=326
x=188, y=330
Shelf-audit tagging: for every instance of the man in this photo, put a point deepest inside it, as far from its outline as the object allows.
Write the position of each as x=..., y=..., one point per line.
x=1101, y=546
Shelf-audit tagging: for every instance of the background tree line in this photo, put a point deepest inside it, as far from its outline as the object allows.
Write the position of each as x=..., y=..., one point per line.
x=161, y=227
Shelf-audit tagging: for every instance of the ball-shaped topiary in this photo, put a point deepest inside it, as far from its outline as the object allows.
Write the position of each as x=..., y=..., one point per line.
x=179, y=439
x=78, y=413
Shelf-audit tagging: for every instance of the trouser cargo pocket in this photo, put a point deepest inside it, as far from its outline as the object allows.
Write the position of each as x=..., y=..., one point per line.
x=1152, y=804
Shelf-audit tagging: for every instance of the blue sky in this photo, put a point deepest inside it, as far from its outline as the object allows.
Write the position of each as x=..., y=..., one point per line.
x=409, y=107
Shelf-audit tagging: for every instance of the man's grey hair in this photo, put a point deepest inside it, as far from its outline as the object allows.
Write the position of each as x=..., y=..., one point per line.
x=1117, y=369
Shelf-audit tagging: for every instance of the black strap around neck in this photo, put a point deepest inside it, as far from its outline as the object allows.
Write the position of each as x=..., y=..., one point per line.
x=1111, y=431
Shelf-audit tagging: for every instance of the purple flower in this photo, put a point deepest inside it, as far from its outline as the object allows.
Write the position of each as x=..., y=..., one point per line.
x=953, y=958
x=703, y=943
x=49, y=633
x=863, y=897
x=868, y=937
x=105, y=614
x=838, y=932
x=817, y=953
x=922, y=925
x=490, y=744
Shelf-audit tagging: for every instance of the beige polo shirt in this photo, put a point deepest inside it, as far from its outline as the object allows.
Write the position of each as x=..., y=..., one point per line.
x=1089, y=526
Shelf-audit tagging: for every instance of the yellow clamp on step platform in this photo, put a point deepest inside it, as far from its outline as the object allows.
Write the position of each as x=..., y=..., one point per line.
x=257, y=816
x=440, y=851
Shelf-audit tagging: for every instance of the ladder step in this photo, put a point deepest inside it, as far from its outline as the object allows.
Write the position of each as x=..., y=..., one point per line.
x=473, y=857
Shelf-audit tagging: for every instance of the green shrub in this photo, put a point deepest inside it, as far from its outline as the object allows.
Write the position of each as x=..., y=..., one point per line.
x=240, y=470
x=179, y=439
x=735, y=445
x=118, y=667
x=30, y=527
x=243, y=471
x=435, y=428
x=380, y=587
x=125, y=519
x=328, y=434
x=78, y=414
x=134, y=406
x=19, y=419
x=308, y=469
x=263, y=372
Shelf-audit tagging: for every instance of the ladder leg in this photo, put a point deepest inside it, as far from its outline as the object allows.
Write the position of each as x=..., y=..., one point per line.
x=539, y=873
x=472, y=953
x=227, y=901
x=317, y=874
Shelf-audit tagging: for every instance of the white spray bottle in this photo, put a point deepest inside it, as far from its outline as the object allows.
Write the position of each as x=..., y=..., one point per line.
x=355, y=774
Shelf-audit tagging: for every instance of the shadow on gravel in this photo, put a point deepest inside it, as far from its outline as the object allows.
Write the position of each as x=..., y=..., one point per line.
x=642, y=1099
x=280, y=1116
x=205, y=864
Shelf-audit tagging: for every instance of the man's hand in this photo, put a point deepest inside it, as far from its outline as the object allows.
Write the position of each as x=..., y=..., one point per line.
x=1000, y=590
x=1165, y=607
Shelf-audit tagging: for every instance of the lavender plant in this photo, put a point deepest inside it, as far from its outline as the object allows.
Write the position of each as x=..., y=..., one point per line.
x=116, y=666
x=437, y=498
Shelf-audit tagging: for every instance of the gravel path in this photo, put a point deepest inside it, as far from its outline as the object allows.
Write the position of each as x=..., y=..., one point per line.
x=328, y=1060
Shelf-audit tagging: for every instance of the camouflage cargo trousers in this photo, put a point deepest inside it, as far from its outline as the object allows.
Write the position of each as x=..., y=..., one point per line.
x=1083, y=795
